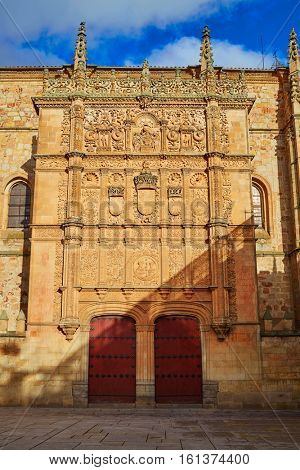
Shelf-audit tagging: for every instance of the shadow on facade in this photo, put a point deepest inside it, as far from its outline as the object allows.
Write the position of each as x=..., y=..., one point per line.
x=278, y=296
x=27, y=381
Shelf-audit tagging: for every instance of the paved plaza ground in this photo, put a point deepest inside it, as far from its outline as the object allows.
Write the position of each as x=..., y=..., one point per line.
x=170, y=428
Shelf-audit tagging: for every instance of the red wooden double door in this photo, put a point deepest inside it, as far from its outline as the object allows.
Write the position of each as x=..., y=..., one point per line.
x=112, y=360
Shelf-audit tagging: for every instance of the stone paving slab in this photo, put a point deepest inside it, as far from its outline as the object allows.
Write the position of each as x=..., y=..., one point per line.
x=148, y=429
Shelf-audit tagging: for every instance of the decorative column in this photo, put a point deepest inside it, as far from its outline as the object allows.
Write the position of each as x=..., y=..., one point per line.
x=163, y=124
x=145, y=372
x=164, y=249
x=293, y=141
x=73, y=223
x=72, y=243
x=217, y=225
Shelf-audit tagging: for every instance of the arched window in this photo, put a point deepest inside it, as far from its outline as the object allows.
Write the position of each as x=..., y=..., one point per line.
x=19, y=206
x=258, y=206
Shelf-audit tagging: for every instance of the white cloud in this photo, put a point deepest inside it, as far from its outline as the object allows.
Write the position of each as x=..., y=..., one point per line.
x=32, y=18
x=14, y=55
x=186, y=51
x=113, y=16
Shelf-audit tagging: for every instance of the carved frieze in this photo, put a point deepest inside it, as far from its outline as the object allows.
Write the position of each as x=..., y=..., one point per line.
x=236, y=162
x=104, y=130
x=227, y=196
x=199, y=197
x=51, y=162
x=130, y=84
x=113, y=129
x=186, y=130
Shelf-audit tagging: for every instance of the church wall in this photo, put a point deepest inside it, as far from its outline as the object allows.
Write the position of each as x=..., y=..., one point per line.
x=18, y=138
x=237, y=127
x=267, y=121
x=50, y=130
x=40, y=366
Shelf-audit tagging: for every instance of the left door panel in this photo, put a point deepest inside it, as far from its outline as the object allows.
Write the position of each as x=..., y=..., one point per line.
x=112, y=360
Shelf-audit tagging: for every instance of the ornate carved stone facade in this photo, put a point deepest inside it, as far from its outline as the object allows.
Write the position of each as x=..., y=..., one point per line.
x=142, y=206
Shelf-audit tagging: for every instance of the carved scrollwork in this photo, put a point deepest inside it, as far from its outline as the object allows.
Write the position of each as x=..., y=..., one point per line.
x=100, y=84
x=104, y=130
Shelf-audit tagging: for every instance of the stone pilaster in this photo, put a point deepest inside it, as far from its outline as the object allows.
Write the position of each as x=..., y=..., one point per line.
x=72, y=243
x=70, y=290
x=145, y=372
x=217, y=226
x=77, y=125
x=293, y=142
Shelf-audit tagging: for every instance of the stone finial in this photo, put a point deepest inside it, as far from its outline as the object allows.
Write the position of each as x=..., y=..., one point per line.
x=80, y=56
x=3, y=321
x=21, y=322
x=293, y=52
x=206, y=53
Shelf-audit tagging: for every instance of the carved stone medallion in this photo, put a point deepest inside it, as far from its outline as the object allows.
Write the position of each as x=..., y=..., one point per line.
x=145, y=268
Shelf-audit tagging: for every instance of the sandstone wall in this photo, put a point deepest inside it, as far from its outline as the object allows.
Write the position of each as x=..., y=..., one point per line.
x=267, y=143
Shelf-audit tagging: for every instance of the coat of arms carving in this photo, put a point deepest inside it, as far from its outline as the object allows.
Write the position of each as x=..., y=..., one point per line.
x=175, y=200
x=116, y=200
x=146, y=185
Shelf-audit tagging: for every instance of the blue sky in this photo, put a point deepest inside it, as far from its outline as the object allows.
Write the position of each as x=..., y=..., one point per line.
x=125, y=32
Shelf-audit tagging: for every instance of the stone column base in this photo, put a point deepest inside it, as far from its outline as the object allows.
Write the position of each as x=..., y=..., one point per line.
x=80, y=395
x=210, y=394
x=145, y=394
